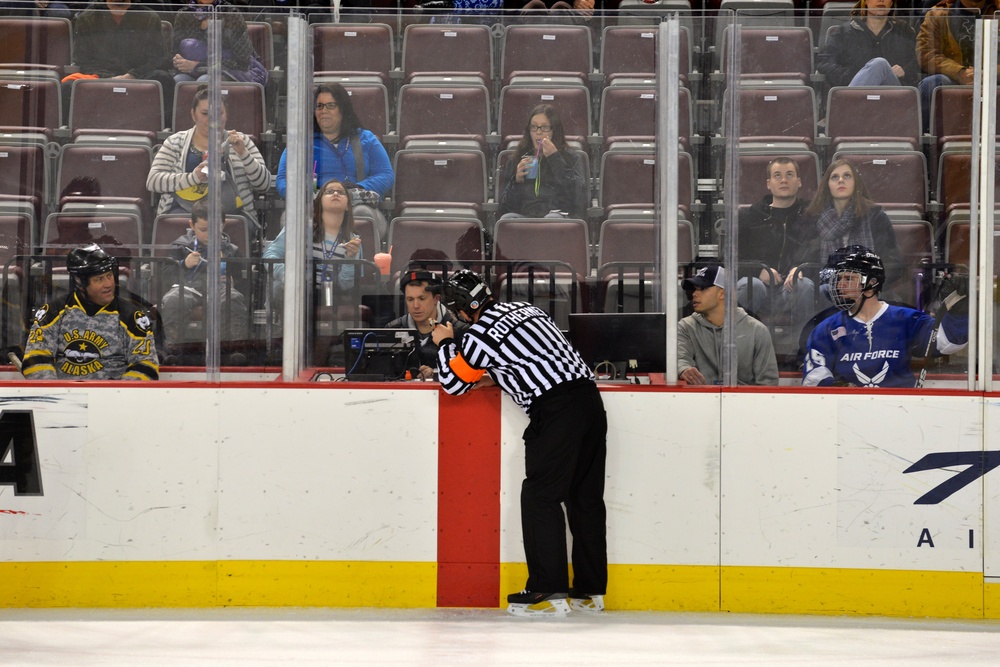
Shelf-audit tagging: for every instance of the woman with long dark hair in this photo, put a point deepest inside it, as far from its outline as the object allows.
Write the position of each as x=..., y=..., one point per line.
x=338, y=138
x=842, y=214
x=333, y=237
x=546, y=179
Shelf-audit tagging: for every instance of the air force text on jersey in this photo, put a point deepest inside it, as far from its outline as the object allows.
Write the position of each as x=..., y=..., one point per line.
x=869, y=356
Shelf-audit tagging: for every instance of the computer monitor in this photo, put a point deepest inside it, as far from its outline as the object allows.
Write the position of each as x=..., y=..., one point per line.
x=632, y=343
x=379, y=355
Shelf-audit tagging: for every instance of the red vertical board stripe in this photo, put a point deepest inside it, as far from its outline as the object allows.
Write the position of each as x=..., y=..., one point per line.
x=469, y=499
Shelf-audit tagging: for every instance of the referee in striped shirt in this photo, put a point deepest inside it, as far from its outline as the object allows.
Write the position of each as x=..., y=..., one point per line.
x=565, y=444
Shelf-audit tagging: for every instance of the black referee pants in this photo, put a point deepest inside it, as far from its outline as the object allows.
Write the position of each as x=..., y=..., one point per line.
x=565, y=446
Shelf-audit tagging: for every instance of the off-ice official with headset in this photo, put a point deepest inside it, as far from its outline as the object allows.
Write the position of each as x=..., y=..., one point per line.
x=422, y=293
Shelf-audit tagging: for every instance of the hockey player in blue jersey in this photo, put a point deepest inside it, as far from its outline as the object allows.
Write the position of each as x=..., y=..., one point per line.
x=871, y=343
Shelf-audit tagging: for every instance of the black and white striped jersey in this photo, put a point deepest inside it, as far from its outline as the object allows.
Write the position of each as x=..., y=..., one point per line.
x=520, y=346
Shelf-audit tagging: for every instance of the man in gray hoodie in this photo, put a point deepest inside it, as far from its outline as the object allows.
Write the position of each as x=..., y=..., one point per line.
x=700, y=336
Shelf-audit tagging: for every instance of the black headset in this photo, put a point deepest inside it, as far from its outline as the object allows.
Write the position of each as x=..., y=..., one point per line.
x=432, y=279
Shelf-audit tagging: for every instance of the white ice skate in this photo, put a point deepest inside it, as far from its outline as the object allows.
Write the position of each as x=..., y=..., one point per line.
x=537, y=605
x=591, y=604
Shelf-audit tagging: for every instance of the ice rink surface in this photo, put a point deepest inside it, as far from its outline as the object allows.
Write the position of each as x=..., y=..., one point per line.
x=426, y=637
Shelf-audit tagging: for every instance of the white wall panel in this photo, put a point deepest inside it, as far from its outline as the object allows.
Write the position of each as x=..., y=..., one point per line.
x=662, y=489
x=206, y=474
x=818, y=481
x=329, y=474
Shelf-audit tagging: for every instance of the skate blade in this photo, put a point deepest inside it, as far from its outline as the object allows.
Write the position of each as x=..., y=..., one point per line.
x=543, y=609
x=594, y=605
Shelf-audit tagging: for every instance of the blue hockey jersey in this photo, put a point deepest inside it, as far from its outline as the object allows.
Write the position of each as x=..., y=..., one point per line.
x=878, y=353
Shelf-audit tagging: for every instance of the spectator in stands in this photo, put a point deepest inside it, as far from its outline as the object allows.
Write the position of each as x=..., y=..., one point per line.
x=577, y=8
x=770, y=233
x=94, y=334
x=344, y=150
x=869, y=343
x=118, y=40
x=873, y=49
x=186, y=299
x=180, y=169
x=700, y=336
x=333, y=238
x=239, y=60
x=36, y=9
x=424, y=311
x=842, y=214
x=462, y=11
x=946, y=46
x=547, y=179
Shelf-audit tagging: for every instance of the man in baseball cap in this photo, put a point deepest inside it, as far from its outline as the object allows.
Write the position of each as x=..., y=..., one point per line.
x=700, y=336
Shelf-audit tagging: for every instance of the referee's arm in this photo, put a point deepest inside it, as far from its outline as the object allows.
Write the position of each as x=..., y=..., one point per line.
x=454, y=372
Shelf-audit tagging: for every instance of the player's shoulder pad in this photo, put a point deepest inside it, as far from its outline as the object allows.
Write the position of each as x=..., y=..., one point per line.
x=46, y=315
x=135, y=320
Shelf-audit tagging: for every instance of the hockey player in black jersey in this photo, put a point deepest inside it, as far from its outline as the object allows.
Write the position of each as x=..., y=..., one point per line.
x=565, y=445
x=94, y=335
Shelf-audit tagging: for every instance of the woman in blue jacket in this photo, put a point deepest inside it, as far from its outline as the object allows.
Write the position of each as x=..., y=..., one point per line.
x=337, y=139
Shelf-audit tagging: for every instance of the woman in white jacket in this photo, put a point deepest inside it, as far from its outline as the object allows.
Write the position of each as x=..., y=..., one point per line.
x=180, y=169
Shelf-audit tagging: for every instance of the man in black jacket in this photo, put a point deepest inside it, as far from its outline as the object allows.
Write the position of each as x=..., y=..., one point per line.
x=770, y=236
x=120, y=40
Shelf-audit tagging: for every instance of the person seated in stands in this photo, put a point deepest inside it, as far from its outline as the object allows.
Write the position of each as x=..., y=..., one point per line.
x=869, y=343
x=344, y=150
x=424, y=311
x=119, y=40
x=700, y=336
x=94, y=334
x=36, y=9
x=770, y=234
x=946, y=46
x=545, y=179
x=180, y=169
x=842, y=214
x=462, y=11
x=185, y=301
x=333, y=238
x=873, y=49
x=542, y=8
x=190, y=48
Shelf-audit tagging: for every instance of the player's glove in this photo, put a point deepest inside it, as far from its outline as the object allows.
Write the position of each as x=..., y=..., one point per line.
x=955, y=294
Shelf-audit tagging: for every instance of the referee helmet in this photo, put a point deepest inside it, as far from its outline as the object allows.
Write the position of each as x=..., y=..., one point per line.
x=466, y=291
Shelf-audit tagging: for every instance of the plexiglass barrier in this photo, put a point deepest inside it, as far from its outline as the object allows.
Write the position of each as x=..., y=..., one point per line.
x=520, y=145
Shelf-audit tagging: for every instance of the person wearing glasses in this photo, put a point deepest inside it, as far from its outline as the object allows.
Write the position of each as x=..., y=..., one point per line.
x=546, y=179
x=344, y=150
x=333, y=238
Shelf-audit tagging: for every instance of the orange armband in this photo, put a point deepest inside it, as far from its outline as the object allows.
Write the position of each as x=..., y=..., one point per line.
x=463, y=371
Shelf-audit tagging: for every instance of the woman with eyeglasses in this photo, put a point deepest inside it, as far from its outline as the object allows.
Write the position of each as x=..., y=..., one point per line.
x=338, y=140
x=545, y=179
x=333, y=238
x=842, y=214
